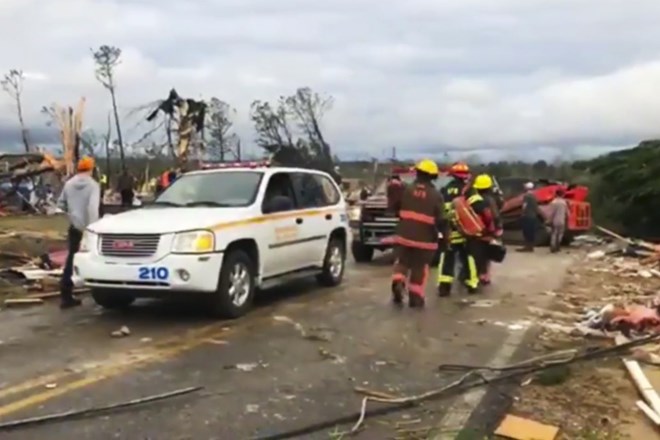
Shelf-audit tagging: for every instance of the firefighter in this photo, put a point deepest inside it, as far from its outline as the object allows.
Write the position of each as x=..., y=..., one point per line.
x=489, y=214
x=457, y=245
x=420, y=211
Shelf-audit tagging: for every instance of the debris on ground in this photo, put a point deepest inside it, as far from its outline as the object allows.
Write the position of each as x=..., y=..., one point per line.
x=518, y=428
x=612, y=297
x=318, y=334
x=121, y=333
x=21, y=302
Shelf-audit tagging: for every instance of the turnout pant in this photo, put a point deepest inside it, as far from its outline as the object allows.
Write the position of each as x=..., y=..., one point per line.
x=66, y=283
x=480, y=254
x=447, y=268
x=412, y=265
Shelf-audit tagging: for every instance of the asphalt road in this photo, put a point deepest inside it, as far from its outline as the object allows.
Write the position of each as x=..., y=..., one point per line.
x=292, y=362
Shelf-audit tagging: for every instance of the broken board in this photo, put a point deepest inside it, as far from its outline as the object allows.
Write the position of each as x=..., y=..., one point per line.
x=518, y=428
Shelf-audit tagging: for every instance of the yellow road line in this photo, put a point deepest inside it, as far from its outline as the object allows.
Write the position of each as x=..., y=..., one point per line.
x=32, y=383
x=160, y=352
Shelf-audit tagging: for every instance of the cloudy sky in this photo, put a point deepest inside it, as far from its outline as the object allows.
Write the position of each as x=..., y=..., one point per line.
x=419, y=74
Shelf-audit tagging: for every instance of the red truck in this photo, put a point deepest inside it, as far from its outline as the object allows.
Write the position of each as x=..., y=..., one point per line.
x=373, y=224
x=579, y=219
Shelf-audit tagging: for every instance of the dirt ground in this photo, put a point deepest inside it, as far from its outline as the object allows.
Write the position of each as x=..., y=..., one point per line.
x=597, y=400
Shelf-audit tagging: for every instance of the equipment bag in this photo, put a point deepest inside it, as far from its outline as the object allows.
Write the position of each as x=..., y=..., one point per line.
x=467, y=221
x=496, y=251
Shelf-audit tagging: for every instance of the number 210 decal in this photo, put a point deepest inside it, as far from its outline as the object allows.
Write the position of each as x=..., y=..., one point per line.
x=153, y=273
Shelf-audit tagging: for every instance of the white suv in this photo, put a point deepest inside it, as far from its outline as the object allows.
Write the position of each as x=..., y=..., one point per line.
x=223, y=232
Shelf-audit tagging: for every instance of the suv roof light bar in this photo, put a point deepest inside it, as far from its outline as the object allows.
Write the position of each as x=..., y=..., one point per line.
x=223, y=165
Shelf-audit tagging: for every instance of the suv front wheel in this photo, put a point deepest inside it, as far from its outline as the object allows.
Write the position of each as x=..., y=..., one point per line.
x=111, y=299
x=236, y=286
x=334, y=263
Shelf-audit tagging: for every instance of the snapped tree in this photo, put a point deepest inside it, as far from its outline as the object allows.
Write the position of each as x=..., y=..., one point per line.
x=12, y=84
x=106, y=59
x=186, y=118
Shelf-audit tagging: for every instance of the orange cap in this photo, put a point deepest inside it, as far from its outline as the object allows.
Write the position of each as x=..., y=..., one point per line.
x=85, y=164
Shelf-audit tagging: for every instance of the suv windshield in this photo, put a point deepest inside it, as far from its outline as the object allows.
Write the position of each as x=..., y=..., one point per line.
x=221, y=189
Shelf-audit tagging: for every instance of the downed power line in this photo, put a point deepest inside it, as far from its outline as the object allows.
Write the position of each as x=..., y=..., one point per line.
x=14, y=424
x=472, y=379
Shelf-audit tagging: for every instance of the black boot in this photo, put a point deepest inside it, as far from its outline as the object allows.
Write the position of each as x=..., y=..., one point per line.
x=472, y=290
x=69, y=302
x=398, y=289
x=415, y=301
x=444, y=289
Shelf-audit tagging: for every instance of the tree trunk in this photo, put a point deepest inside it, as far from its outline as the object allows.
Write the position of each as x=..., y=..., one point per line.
x=238, y=150
x=170, y=144
x=24, y=132
x=108, y=136
x=122, y=159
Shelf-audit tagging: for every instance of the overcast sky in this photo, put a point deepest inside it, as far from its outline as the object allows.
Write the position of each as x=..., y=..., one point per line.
x=419, y=74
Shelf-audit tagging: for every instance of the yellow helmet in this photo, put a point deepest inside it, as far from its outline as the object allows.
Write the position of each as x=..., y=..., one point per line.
x=427, y=166
x=482, y=181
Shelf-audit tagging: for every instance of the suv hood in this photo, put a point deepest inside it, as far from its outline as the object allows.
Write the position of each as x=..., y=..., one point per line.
x=166, y=220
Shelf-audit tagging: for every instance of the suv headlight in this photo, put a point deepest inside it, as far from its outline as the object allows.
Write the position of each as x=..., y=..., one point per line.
x=88, y=241
x=354, y=212
x=193, y=242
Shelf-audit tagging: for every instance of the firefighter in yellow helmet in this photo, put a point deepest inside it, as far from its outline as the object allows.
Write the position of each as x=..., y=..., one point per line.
x=458, y=246
x=483, y=184
x=420, y=211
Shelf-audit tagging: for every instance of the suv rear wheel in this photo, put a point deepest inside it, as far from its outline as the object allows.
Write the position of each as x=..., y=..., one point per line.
x=236, y=286
x=334, y=263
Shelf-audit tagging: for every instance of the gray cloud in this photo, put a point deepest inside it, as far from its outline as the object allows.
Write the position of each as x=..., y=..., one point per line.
x=418, y=73
x=10, y=136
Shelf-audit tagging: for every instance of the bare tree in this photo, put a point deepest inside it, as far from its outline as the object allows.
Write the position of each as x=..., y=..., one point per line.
x=291, y=131
x=12, y=84
x=107, y=58
x=219, y=124
x=273, y=125
x=309, y=108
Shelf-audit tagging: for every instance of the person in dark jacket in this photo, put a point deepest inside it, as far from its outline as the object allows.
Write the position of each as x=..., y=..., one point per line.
x=530, y=218
x=125, y=185
x=420, y=210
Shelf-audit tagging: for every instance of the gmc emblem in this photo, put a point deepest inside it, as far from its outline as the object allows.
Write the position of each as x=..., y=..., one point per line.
x=123, y=244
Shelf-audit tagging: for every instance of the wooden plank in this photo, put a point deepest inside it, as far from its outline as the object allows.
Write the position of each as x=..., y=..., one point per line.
x=23, y=302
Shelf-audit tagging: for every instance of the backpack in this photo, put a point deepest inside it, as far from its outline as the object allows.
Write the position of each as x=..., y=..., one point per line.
x=466, y=219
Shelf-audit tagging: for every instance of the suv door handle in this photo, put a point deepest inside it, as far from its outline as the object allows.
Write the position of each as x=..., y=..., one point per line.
x=299, y=220
x=328, y=216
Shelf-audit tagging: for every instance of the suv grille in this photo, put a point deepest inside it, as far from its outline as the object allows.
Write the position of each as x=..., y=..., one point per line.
x=129, y=245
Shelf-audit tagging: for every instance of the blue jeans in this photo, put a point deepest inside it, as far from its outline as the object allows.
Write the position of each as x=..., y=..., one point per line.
x=529, y=226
